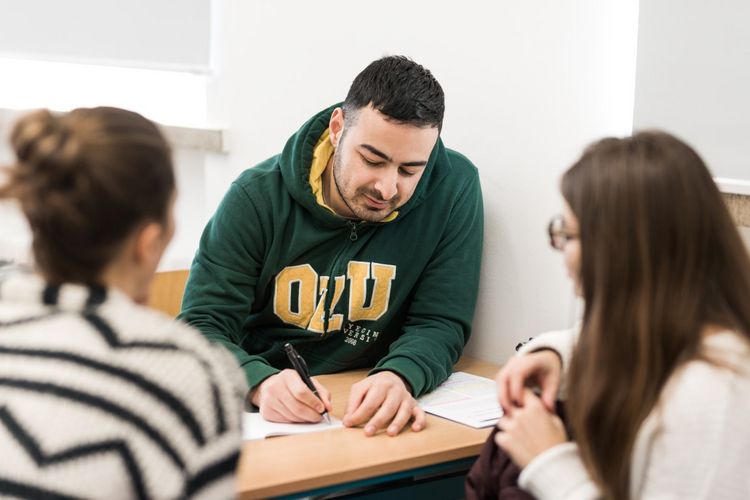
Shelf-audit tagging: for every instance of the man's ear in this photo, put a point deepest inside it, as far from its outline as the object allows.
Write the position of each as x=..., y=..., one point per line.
x=336, y=126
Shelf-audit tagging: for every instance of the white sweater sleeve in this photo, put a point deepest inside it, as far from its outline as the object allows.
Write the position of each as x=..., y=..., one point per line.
x=560, y=341
x=559, y=474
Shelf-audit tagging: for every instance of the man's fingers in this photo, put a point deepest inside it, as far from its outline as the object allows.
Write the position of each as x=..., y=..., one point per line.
x=383, y=416
x=277, y=412
x=356, y=395
x=373, y=399
x=400, y=419
x=300, y=411
x=299, y=390
x=420, y=419
x=325, y=395
x=284, y=397
x=300, y=401
x=368, y=399
x=271, y=415
x=381, y=401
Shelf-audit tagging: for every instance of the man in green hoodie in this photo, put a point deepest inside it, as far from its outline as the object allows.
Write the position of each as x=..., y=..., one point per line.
x=360, y=244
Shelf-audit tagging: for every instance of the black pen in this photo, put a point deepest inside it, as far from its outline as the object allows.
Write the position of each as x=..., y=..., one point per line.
x=299, y=365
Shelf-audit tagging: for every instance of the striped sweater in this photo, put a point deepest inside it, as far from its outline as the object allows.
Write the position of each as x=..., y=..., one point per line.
x=103, y=398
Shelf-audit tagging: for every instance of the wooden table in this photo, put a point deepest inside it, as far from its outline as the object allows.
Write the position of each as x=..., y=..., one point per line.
x=293, y=464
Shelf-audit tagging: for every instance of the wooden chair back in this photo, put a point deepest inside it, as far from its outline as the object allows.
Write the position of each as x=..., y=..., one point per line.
x=167, y=288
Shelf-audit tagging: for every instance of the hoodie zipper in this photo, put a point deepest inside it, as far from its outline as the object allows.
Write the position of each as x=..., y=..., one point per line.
x=353, y=236
x=353, y=229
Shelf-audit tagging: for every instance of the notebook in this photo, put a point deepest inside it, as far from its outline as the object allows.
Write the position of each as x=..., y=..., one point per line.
x=465, y=398
x=254, y=426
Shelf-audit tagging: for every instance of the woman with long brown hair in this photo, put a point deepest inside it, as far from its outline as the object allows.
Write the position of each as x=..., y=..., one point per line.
x=657, y=378
x=101, y=397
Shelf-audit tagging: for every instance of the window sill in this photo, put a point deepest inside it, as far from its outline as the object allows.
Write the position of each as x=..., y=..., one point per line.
x=207, y=140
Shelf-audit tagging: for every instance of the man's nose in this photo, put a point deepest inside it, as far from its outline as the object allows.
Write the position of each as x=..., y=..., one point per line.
x=387, y=183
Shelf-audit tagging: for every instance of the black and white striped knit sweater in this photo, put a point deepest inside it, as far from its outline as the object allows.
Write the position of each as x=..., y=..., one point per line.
x=102, y=398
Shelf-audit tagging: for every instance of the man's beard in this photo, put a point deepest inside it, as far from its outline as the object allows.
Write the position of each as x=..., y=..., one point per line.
x=364, y=213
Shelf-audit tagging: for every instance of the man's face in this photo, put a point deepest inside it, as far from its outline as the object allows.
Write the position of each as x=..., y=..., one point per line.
x=378, y=163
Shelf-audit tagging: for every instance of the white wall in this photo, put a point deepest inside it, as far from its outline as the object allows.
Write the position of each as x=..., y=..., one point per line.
x=191, y=214
x=693, y=77
x=528, y=85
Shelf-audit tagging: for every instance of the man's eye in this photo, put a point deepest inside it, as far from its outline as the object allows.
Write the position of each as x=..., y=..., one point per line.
x=406, y=173
x=372, y=163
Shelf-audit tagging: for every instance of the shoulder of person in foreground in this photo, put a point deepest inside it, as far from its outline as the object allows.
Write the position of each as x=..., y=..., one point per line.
x=202, y=382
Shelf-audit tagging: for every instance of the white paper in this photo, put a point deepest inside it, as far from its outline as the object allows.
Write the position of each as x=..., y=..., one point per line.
x=254, y=426
x=465, y=398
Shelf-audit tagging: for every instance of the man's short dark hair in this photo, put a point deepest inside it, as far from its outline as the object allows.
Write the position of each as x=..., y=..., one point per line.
x=401, y=89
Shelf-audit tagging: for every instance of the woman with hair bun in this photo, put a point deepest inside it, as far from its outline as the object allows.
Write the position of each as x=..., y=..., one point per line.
x=101, y=397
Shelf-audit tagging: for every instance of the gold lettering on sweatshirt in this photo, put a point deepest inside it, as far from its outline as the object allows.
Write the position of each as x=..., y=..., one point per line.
x=336, y=320
x=306, y=279
x=358, y=274
x=300, y=295
x=317, y=323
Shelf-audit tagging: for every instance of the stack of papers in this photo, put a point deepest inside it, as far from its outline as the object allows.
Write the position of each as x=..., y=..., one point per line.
x=465, y=398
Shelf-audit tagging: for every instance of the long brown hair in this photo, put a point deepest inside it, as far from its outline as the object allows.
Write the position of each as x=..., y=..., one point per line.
x=85, y=180
x=660, y=259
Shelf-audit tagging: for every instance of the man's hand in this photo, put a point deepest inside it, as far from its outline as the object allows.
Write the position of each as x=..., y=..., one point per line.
x=383, y=400
x=541, y=368
x=284, y=397
x=529, y=431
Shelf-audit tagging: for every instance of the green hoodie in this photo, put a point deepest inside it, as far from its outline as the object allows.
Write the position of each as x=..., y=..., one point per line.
x=400, y=295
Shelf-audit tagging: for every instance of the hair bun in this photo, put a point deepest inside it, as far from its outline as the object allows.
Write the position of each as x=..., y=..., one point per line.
x=45, y=147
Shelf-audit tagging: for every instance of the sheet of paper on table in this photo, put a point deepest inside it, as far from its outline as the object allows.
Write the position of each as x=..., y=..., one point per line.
x=465, y=398
x=254, y=426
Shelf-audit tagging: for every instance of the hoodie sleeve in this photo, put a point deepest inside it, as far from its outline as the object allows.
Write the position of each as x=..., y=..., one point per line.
x=221, y=287
x=438, y=323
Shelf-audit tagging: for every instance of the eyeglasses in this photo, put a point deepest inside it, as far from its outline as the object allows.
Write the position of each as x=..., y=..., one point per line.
x=558, y=234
